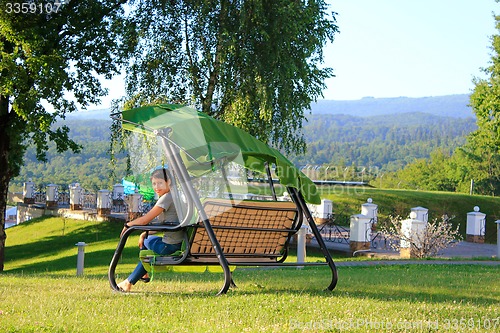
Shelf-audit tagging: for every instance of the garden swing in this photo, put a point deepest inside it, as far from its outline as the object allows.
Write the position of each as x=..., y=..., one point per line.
x=213, y=168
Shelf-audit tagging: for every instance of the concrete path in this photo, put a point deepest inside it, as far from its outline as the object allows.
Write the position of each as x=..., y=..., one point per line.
x=462, y=253
x=470, y=250
x=381, y=262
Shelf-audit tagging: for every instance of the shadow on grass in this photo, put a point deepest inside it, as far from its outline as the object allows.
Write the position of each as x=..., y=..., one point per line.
x=92, y=259
x=354, y=284
x=315, y=288
x=311, y=282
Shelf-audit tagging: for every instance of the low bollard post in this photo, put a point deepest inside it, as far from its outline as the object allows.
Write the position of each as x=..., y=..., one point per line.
x=498, y=238
x=301, y=245
x=80, y=258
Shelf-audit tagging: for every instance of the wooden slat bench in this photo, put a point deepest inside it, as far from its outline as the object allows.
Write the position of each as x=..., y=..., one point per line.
x=249, y=233
x=247, y=230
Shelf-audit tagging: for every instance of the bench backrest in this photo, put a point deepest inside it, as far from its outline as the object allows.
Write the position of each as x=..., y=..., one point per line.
x=247, y=229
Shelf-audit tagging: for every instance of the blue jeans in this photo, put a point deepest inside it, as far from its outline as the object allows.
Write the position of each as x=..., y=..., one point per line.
x=156, y=244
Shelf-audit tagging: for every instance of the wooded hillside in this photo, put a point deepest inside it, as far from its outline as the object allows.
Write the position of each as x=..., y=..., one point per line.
x=383, y=142
x=386, y=142
x=91, y=167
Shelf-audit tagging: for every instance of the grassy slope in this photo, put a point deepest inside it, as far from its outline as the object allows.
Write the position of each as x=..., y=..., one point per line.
x=49, y=245
x=348, y=200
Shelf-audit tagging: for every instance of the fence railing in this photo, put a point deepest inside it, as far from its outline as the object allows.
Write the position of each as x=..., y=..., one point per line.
x=333, y=232
x=87, y=200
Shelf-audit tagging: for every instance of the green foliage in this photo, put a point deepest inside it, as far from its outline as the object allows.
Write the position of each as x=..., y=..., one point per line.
x=47, y=57
x=478, y=159
x=482, y=150
x=433, y=174
x=363, y=139
x=254, y=64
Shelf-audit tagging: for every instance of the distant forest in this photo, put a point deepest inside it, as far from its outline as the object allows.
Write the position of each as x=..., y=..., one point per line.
x=386, y=143
x=90, y=168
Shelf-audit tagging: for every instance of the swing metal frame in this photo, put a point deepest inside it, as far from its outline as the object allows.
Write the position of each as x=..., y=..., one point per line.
x=235, y=227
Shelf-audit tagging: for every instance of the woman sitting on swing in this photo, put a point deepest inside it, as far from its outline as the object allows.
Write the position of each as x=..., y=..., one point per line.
x=171, y=242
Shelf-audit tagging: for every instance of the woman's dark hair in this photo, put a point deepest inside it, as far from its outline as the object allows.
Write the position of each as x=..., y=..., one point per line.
x=159, y=174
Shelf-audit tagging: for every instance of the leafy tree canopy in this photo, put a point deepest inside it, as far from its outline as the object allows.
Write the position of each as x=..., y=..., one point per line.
x=252, y=63
x=482, y=150
x=50, y=62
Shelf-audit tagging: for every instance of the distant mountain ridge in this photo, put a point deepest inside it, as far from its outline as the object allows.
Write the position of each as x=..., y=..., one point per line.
x=101, y=114
x=455, y=106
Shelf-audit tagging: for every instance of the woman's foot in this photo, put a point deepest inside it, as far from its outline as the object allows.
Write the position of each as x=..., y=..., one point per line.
x=145, y=278
x=125, y=286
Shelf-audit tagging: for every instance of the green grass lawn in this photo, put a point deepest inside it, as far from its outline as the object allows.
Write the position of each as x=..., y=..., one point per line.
x=39, y=292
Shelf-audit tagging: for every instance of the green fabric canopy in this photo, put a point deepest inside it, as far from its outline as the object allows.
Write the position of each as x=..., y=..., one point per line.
x=207, y=140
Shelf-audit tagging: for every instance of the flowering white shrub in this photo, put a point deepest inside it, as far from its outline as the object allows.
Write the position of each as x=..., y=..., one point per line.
x=425, y=243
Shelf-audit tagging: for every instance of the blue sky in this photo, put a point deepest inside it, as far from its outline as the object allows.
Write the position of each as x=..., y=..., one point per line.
x=413, y=48
x=392, y=48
